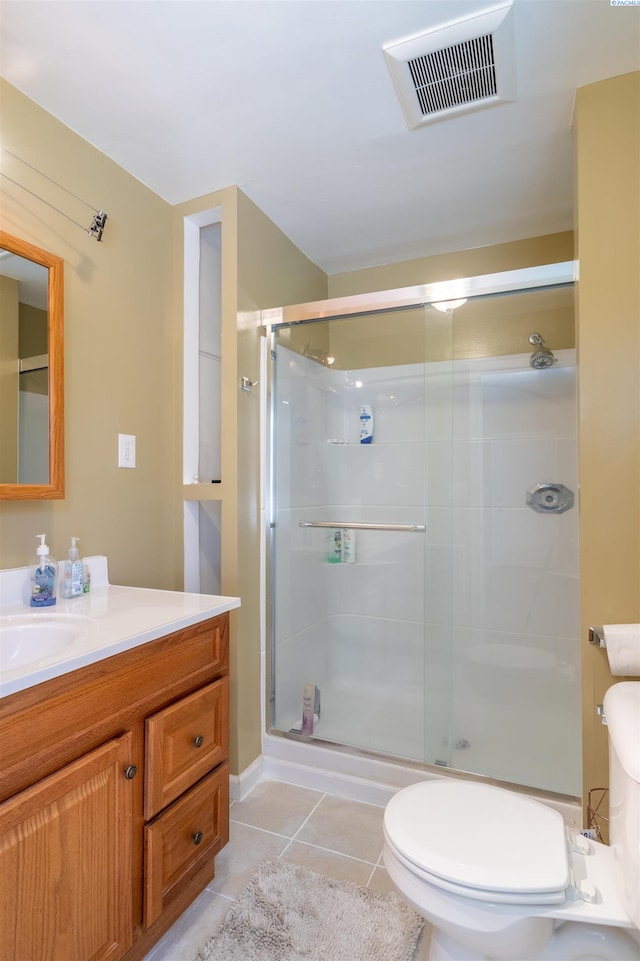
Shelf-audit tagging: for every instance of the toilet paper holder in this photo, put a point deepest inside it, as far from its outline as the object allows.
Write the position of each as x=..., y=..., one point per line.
x=596, y=636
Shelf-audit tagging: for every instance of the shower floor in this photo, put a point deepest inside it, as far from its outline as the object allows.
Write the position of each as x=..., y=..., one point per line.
x=369, y=720
x=515, y=746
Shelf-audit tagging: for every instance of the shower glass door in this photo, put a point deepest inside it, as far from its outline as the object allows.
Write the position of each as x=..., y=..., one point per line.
x=426, y=583
x=360, y=528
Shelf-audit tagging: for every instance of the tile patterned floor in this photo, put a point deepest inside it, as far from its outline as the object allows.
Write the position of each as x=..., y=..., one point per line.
x=322, y=832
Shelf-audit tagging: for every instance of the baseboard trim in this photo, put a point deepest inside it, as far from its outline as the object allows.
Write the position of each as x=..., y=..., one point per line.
x=242, y=784
x=329, y=782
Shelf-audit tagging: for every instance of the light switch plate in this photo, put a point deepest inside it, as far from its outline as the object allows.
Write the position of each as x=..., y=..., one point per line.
x=126, y=450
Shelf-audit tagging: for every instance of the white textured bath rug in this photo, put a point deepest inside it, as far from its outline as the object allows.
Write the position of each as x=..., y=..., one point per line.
x=287, y=913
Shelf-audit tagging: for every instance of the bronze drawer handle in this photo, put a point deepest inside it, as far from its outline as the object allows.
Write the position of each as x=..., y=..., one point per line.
x=197, y=837
x=130, y=772
x=198, y=740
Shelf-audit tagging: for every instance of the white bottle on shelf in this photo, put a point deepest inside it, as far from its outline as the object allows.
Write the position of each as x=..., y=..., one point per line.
x=366, y=424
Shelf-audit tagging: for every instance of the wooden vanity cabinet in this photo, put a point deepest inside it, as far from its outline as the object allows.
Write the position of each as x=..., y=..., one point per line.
x=114, y=798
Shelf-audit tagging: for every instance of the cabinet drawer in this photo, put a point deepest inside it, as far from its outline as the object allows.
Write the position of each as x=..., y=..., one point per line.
x=192, y=830
x=184, y=742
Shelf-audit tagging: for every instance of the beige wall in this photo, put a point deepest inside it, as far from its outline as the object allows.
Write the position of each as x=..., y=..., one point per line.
x=224, y=201
x=119, y=376
x=260, y=268
x=33, y=341
x=494, y=327
x=33, y=335
x=271, y=272
x=607, y=144
x=486, y=327
x=550, y=249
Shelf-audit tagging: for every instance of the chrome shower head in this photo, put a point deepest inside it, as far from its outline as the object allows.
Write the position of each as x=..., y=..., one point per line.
x=541, y=357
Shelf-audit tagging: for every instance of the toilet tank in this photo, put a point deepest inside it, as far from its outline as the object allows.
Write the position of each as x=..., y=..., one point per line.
x=622, y=710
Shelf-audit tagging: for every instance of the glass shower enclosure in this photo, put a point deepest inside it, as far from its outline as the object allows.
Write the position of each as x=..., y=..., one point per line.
x=424, y=577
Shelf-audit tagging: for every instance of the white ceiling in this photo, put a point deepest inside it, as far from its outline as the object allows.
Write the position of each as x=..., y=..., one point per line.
x=292, y=101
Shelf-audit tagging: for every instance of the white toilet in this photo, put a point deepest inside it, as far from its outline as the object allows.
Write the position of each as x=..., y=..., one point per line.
x=498, y=875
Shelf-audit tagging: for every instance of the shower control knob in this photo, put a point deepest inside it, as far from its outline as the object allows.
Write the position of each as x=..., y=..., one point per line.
x=550, y=498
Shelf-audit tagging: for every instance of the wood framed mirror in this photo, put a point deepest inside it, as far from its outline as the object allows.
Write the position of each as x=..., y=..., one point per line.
x=31, y=371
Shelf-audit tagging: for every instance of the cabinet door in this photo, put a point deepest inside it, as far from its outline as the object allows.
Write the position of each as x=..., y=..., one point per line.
x=65, y=862
x=184, y=742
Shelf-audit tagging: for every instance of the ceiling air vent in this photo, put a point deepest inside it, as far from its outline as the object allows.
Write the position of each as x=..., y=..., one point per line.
x=456, y=68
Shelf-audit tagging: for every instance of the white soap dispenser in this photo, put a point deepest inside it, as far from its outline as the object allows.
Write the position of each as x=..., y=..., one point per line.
x=72, y=572
x=43, y=575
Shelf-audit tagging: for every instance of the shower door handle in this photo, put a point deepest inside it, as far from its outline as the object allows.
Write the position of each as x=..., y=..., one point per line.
x=357, y=526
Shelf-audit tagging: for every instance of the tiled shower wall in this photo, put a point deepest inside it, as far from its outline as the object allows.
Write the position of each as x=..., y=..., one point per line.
x=456, y=646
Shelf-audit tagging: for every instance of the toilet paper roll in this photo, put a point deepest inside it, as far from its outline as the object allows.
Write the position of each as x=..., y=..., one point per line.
x=622, y=642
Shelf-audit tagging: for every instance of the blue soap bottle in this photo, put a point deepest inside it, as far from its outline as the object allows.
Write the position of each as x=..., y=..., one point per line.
x=43, y=576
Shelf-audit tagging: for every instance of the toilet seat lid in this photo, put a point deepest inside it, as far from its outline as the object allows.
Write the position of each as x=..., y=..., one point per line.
x=481, y=837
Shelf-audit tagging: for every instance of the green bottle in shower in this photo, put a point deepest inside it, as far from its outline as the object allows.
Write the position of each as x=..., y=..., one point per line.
x=335, y=546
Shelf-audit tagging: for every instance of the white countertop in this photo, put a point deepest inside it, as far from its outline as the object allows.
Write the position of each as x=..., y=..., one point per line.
x=111, y=619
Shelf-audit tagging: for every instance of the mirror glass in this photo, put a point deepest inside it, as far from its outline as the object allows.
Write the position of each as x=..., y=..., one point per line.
x=31, y=374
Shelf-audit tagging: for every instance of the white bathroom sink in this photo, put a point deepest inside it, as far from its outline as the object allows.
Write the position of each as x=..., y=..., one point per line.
x=28, y=639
